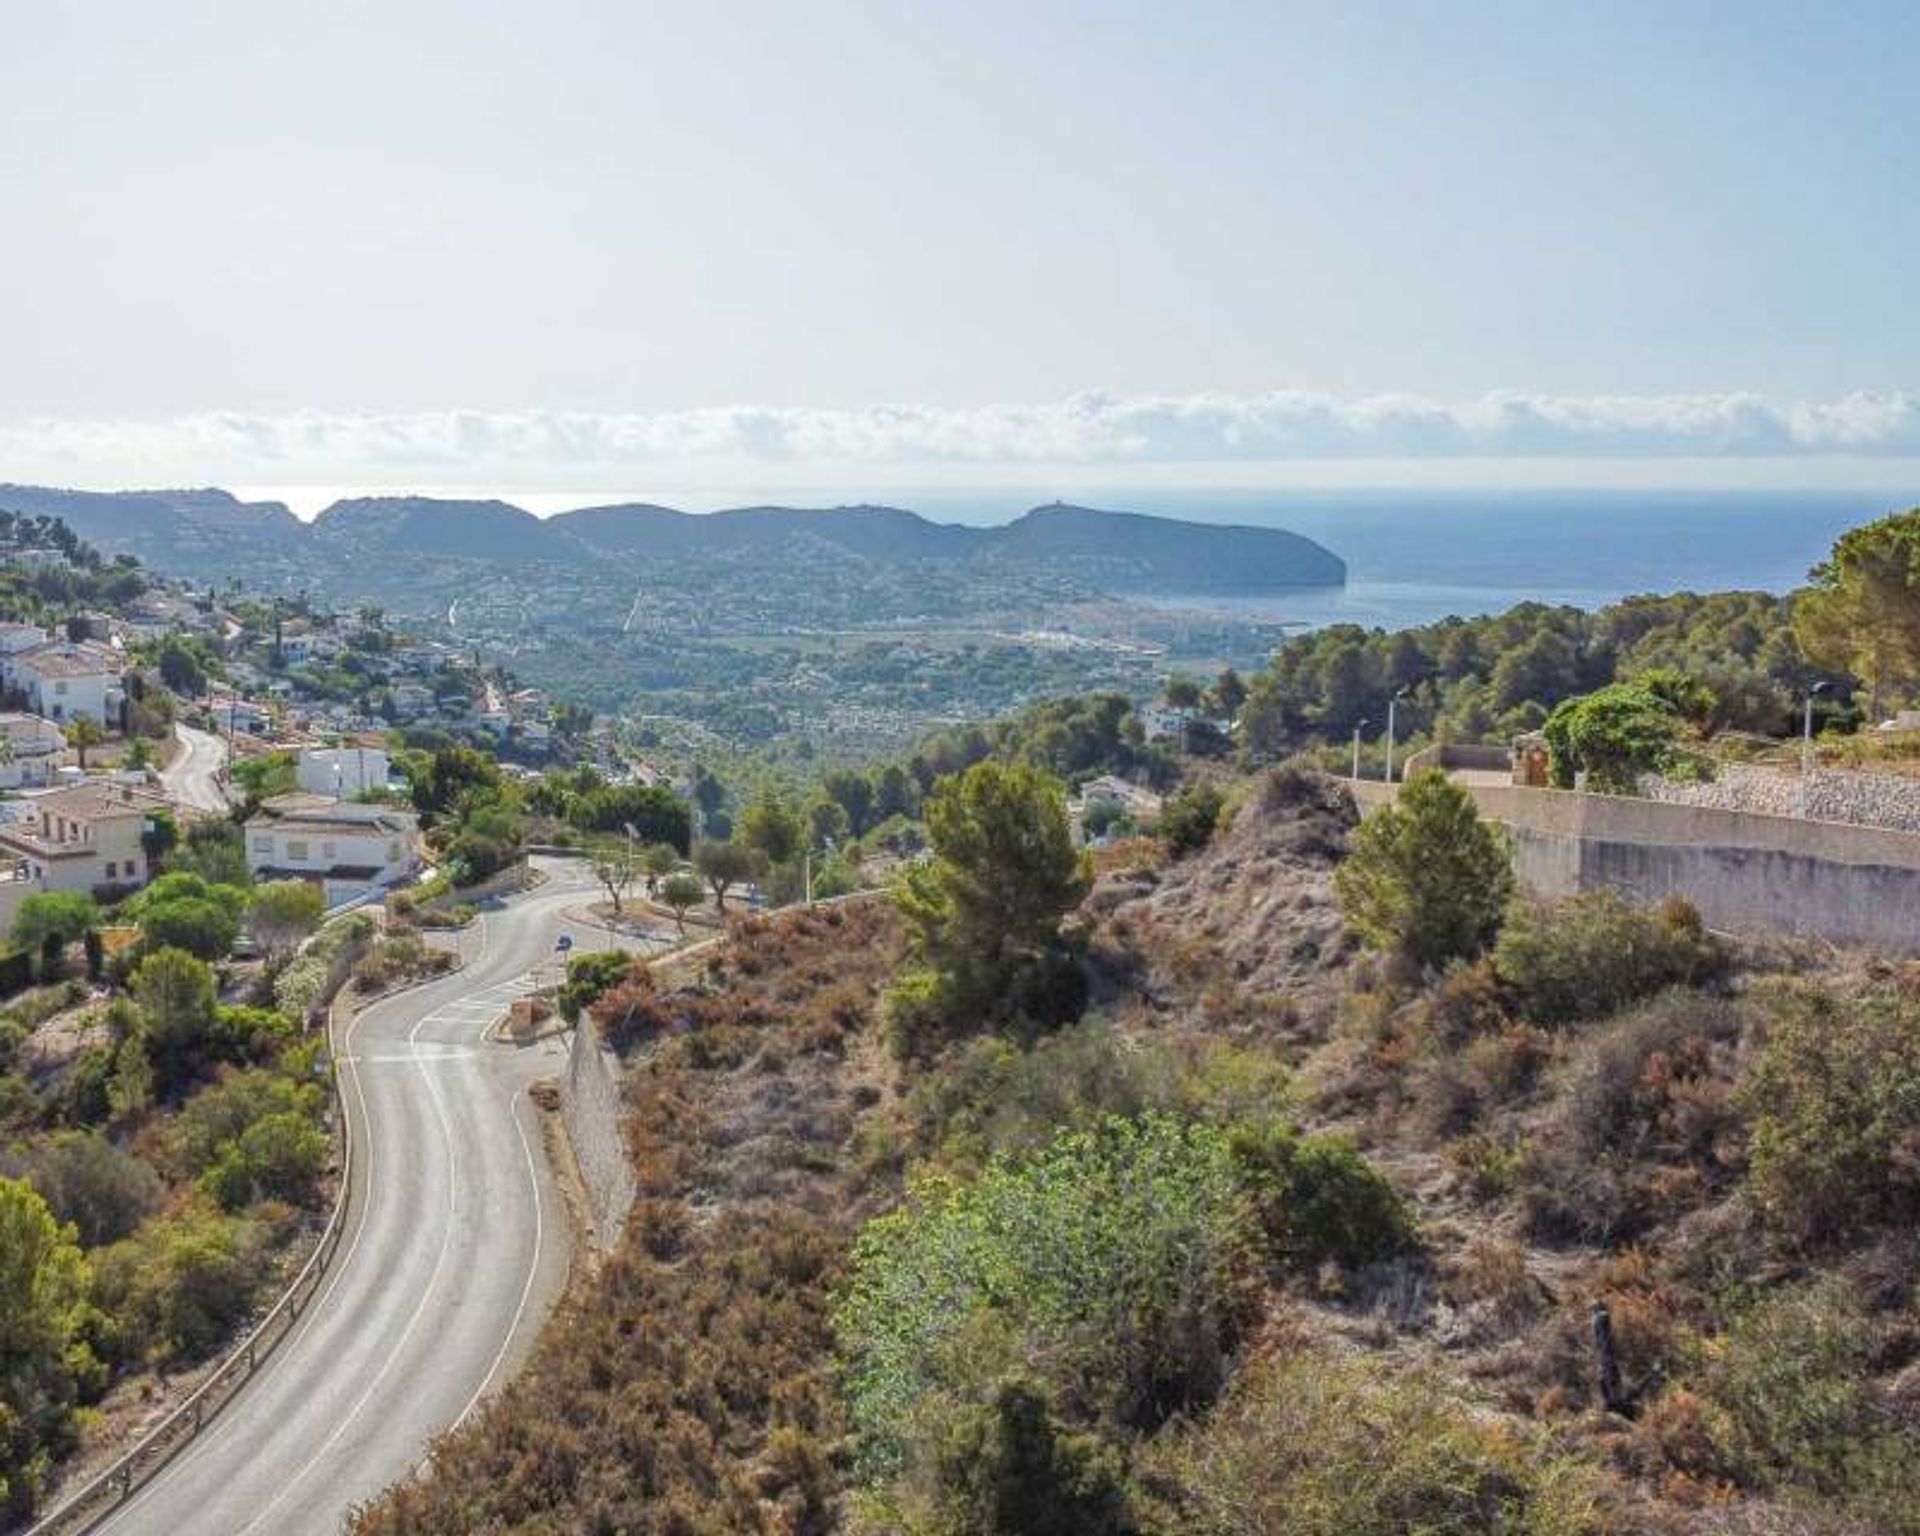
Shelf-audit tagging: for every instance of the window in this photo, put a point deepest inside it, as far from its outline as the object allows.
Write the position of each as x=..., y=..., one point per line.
x=263, y=845
x=110, y=869
x=326, y=852
x=60, y=687
x=296, y=853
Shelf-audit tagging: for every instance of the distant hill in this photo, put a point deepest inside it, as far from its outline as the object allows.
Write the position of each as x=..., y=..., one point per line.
x=158, y=524
x=193, y=530
x=424, y=525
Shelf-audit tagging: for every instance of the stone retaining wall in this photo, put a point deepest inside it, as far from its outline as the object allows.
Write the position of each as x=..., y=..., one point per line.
x=590, y=1100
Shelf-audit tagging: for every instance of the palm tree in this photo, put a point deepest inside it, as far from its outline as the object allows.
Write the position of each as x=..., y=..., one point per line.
x=83, y=733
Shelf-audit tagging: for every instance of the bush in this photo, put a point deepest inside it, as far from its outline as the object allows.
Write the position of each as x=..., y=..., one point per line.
x=1590, y=955
x=302, y=986
x=1649, y=1091
x=1834, y=1101
x=1189, y=819
x=218, y=1117
x=178, y=1286
x=277, y=1157
x=1613, y=735
x=588, y=978
x=103, y=1191
x=1315, y=1444
x=1792, y=1407
x=1111, y=1256
x=1319, y=1201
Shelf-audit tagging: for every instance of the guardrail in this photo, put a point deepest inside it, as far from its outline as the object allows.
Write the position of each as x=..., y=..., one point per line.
x=107, y=1490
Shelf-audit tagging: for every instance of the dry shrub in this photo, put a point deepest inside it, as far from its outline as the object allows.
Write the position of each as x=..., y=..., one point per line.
x=1644, y=1094
x=1314, y=1443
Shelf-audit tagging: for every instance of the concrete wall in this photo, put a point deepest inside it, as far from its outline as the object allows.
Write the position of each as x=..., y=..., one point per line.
x=1745, y=872
x=590, y=1099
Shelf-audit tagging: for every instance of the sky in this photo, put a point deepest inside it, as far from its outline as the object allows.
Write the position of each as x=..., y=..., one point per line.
x=610, y=244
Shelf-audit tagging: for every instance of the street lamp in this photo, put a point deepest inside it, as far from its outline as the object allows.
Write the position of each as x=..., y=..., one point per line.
x=1806, y=732
x=1397, y=696
x=1356, y=748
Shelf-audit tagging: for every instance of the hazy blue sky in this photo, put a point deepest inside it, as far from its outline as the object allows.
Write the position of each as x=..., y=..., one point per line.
x=551, y=241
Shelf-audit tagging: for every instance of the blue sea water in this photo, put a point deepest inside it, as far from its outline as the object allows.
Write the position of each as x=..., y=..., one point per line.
x=1415, y=556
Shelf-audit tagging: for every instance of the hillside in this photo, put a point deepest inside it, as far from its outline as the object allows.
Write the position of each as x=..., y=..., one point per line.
x=195, y=532
x=1613, y=1117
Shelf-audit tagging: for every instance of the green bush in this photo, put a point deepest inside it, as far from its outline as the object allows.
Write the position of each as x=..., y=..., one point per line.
x=1189, y=819
x=277, y=1157
x=1834, y=1101
x=1314, y=1443
x=1613, y=735
x=1794, y=1408
x=1590, y=955
x=178, y=1286
x=217, y=1117
x=1318, y=1201
x=1112, y=1256
x=588, y=977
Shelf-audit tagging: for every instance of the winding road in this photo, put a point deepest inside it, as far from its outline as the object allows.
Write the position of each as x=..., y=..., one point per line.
x=456, y=1247
x=194, y=778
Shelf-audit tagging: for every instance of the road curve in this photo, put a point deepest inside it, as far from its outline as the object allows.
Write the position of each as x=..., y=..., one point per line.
x=456, y=1247
x=194, y=776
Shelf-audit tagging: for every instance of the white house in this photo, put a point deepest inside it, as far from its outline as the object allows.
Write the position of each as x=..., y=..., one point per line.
x=16, y=637
x=64, y=680
x=342, y=771
x=30, y=750
x=348, y=850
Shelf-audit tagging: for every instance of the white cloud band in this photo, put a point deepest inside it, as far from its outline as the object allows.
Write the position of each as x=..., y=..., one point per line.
x=1092, y=429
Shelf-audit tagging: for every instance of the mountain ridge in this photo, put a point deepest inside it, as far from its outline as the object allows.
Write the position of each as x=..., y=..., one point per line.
x=1116, y=549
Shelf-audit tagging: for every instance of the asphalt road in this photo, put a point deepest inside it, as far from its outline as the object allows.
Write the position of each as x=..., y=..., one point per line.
x=456, y=1247
x=194, y=778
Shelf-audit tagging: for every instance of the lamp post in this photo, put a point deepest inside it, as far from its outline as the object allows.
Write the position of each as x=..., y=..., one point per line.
x=1806, y=732
x=1397, y=695
x=1356, y=748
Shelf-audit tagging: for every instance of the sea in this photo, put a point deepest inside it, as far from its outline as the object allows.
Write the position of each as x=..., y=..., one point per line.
x=1414, y=555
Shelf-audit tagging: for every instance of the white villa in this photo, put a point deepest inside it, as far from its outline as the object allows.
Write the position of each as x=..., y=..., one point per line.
x=349, y=850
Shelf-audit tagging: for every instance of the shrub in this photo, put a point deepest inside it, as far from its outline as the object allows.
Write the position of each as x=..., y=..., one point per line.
x=1314, y=1444
x=176, y=1288
x=303, y=985
x=1426, y=877
x=1003, y=1464
x=588, y=978
x=103, y=1191
x=1110, y=1255
x=1590, y=955
x=1190, y=818
x=217, y=1117
x=1649, y=1090
x=277, y=1157
x=1319, y=1201
x=1792, y=1406
x=1834, y=1101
